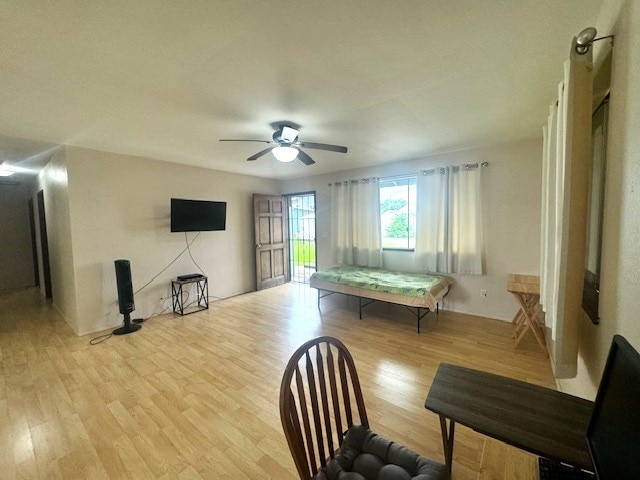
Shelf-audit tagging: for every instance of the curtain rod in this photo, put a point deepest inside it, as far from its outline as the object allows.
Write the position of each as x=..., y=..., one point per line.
x=466, y=166
x=352, y=181
x=455, y=168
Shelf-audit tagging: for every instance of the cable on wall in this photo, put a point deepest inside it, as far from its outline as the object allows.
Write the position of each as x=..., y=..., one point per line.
x=189, y=250
x=171, y=263
x=102, y=338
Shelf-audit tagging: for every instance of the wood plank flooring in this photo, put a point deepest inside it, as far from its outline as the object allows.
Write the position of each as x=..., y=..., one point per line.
x=196, y=397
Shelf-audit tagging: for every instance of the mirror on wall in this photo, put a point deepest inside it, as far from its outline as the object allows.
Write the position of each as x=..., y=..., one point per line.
x=591, y=289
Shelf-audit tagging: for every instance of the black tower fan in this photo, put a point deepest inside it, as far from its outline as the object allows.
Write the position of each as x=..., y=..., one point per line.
x=125, y=297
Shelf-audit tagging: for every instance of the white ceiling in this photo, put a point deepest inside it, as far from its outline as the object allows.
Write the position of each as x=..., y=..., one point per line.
x=390, y=80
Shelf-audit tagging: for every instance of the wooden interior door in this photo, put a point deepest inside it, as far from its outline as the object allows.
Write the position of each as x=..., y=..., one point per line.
x=271, y=240
x=44, y=246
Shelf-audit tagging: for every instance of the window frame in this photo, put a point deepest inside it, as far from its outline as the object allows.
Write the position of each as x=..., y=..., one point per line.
x=400, y=178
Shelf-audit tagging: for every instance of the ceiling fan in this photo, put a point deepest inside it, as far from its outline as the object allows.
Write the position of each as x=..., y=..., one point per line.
x=287, y=147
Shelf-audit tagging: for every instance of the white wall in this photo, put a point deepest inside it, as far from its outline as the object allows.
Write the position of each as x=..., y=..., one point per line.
x=620, y=274
x=511, y=204
x=120, y=208
x=16, y=255
x=53, y=181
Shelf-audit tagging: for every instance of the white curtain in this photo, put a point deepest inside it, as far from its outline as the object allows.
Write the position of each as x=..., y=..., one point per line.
x=466, y=219
x=548, y=225
x=449, y=220
x=552, y=186
x=432, y=226
x=566, y=167
x=355, y=223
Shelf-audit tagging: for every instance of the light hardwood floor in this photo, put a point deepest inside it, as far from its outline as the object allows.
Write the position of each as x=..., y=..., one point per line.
x=197, y=396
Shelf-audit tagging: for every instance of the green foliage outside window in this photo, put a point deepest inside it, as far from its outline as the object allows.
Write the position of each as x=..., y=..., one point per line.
x=398, y=228
x=304, y=252
x=392, y=204
x=397, y=212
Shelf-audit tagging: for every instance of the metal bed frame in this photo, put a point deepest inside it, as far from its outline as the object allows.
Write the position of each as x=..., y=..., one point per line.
x=416, y=311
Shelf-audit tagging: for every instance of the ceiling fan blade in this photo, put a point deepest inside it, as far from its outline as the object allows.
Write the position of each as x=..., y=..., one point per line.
x=259, y=154
x=244, y=140
x=322, y=146
x=304, y=158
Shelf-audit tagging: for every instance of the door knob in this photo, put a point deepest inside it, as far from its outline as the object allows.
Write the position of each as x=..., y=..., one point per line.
x=258, y=245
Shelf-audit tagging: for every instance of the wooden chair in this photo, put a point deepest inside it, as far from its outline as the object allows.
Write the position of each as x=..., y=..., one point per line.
x=325, y=420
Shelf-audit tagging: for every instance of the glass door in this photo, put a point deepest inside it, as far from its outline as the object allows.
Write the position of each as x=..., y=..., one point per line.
x=302, y=236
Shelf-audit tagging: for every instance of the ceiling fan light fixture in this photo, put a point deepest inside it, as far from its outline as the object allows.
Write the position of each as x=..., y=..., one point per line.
x=285, y=154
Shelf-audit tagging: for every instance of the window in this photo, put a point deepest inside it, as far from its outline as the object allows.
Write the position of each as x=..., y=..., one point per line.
x=398, y=213
x=591, y=286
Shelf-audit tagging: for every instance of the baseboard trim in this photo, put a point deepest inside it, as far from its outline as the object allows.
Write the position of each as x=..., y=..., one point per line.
x=476, y=314
x=100, y=328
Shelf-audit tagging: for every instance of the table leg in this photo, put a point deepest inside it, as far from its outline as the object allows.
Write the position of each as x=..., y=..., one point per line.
x=516, y=319
x=527, y=305
x=447, y=440
x=518, y=322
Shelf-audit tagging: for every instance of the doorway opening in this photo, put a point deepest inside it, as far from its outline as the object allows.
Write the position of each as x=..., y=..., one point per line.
x=302, y=235
x=34, y=243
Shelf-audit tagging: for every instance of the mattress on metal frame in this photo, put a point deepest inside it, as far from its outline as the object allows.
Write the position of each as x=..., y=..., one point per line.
x=410, y=289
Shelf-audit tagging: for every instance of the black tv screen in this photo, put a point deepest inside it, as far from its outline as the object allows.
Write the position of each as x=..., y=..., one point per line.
x=613, y=435
x=197, y=215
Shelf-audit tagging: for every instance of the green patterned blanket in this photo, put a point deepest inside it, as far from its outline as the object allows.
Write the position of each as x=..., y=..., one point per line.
x=399, y=283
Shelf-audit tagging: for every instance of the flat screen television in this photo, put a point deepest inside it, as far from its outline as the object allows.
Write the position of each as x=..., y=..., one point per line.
x=613, y=435
x=197, y=215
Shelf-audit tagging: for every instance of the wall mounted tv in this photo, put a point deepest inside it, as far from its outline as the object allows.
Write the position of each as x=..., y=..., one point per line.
x=197, y=215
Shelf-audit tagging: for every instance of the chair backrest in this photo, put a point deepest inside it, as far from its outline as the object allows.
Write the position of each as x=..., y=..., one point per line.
x=319, y=397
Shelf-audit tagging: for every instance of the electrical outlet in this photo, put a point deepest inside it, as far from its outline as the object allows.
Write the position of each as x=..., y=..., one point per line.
x=483, y=293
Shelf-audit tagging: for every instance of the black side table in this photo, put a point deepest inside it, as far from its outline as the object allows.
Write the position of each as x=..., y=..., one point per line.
x=202, y=294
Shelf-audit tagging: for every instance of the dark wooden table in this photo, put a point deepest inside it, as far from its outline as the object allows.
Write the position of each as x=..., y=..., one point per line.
x=539, y=420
